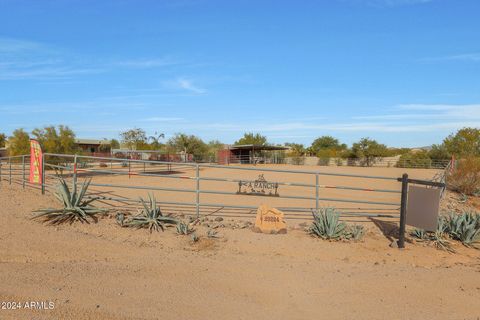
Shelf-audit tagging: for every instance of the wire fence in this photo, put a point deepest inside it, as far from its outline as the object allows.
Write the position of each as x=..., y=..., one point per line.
x=279, y=158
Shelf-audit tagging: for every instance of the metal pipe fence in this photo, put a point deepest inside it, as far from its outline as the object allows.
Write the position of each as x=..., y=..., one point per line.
x=211, y=187
x=347, y=162
x=209, y=191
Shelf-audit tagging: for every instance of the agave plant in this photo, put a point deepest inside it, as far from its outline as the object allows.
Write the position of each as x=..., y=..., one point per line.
x=437, y=238
x=150, y=217
x=355, y=232
x=326, y=224
x=465, y=227
x=75, y=207
x=211, y=233
x=184, y=228
x=419, y=234
x=195, y=238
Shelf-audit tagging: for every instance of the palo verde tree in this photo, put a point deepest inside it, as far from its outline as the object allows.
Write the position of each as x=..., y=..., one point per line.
x=327, y=147
x=53, y=140
x=188, y=144
x=296, y=152
x=252, y=138
x=368, y=150
x=3, y=139
x=134, y=139
x=114, y=144
x=465, y=143
x=19, y=143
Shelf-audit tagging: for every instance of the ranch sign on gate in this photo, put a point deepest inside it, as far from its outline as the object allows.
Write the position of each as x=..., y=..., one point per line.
x=259, y=187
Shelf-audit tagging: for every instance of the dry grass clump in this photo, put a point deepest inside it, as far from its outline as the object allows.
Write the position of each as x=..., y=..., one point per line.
x=465, y=178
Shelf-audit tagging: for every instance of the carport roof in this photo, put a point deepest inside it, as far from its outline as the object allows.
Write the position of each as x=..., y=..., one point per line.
x=256, y=147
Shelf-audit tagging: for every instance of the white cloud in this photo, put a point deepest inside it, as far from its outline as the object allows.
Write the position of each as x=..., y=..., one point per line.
x=463, y=57
x=392, y=3
x=9, y=45
x=147, y=63
x=185, y=84
x=162, y=119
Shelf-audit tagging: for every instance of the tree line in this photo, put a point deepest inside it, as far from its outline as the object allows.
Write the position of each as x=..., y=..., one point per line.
x=61, y=139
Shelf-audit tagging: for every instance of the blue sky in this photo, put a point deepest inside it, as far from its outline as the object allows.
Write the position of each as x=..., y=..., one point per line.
x=405, y=72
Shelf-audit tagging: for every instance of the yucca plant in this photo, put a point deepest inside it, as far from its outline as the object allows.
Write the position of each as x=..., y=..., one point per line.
x=150, y=217
x=465, y=227
x=75, y=207
x=326, y=224
x=184, y=228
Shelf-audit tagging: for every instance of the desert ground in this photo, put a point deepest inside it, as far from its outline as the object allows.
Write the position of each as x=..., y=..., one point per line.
x=103, y=271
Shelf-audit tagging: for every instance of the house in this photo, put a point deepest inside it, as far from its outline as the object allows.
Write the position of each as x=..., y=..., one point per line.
x=93, y=145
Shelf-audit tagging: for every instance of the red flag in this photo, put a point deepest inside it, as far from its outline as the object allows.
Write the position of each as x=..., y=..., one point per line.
x=35, y=162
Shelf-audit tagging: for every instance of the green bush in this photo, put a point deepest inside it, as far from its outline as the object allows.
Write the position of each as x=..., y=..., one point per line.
x=415, y=160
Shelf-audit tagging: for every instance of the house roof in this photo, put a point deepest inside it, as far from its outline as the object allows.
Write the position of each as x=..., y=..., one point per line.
x=92, y=141
x=256, y=147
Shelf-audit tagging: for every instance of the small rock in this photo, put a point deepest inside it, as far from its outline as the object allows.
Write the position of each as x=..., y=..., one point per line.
x=394, y=244
x=218, y=219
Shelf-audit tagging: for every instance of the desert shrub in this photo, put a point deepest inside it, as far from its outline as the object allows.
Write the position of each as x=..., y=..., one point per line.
x=150, y=217
x=75, y=207
x=465, y=177
x=298, y=160
x=414, y=160
x=323, y=161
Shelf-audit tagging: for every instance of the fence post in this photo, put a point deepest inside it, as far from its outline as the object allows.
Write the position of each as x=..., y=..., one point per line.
x=23, y=172
x=43, y=173
x=10, y=170
x=316, y=192
x=74, y=172
x=403, y=211
x=197, y=189
x=1, y=164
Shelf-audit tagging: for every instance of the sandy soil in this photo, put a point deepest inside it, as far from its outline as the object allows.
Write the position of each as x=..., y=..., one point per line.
x=101, y=271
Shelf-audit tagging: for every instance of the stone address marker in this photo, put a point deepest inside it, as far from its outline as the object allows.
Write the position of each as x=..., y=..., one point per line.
x=269, y=220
